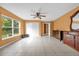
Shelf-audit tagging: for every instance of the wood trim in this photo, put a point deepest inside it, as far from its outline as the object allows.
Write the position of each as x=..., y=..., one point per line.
x=75, y=14
x=71, y=24
x=1, y=22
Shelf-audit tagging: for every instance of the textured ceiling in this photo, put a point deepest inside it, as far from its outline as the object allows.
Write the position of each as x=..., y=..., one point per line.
x=52, y=10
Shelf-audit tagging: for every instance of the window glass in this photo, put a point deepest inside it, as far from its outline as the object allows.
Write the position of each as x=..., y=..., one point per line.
x=7, y=22
x=10, y=27
x=16, y=30
x=16, y=23
x=7, y=32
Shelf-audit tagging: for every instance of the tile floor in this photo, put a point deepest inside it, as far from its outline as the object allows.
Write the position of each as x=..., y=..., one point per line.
x=38, y=46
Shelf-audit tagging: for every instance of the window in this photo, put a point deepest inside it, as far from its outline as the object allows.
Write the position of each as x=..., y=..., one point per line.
x=16, y=27
x=10, y=27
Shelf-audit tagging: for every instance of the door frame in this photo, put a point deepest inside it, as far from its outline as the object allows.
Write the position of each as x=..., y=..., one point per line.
x=32, y=22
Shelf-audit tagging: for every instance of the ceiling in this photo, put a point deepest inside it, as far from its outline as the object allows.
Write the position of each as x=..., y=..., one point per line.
x=52, y=10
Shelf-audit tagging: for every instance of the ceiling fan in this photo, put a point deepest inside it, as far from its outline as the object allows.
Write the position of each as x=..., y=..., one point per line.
x=38, y=14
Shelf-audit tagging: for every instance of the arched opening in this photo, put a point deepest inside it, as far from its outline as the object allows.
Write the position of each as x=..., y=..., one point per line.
x=75, y=29
x=75, y=22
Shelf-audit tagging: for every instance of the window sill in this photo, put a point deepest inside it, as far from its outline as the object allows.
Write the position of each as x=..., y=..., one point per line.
x=11, y=37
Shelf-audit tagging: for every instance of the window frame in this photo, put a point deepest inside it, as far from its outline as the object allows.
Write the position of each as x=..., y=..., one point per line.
x=13, y=35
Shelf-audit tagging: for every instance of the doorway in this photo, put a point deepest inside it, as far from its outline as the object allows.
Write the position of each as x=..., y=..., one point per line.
x=47, y=30
x=32, y=29
x=61, y=35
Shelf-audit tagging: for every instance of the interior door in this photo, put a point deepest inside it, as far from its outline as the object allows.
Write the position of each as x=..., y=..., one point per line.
x=32, y=28
x=61, y=35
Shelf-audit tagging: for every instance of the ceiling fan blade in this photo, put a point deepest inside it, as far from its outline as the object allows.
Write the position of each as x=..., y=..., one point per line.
x=33, y=15
x=37, y=17
x=42, y=15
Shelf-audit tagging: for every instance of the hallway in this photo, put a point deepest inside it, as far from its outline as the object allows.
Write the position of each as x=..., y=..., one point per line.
x=38, y=46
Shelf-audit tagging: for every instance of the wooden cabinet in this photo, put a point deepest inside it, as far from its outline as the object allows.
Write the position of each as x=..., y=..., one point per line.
x=72, y=39
x=77, y=42
x=69, y=39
